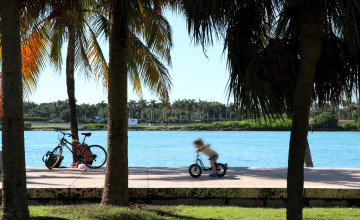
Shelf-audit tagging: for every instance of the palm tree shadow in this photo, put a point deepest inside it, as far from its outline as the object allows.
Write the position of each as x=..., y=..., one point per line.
x=48, y=218
x=173, y=215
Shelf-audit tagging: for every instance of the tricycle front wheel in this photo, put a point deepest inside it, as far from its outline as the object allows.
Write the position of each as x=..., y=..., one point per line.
x=195, y=170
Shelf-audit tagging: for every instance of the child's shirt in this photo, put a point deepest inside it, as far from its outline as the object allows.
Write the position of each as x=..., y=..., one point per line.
x=208, y=152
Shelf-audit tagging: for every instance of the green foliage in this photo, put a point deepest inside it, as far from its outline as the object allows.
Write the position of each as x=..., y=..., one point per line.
x=103, y=121
x=326, y=120
x=262, y=124
x=356, y=115
x=141, y=120
x=65, y=115
x=56, y=120
x=35, y=119
x=27, y=125
x=93, y=127
x=190, y=110
x=348, y=125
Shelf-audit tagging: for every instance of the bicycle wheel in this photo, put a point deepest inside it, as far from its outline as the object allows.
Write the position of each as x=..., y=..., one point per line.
x=54, y=158
x=94, y=156
x=220, y=169
x=195, y=170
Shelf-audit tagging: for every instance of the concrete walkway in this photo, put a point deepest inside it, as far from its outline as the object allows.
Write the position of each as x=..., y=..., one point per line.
x=178, y=177
x=241, y=186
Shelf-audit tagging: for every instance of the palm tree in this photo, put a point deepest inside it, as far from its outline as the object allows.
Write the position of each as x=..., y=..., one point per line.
x=23, y=49
x=142, y=106
x=152, y=105
x=70, y=20
x=275, y=60
x=14, y=193
x=128, y=20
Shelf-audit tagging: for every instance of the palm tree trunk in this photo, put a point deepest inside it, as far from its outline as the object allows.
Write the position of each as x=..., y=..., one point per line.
x=116, y=176
x=14, y=194
x=310, y=49
x=70, y=82
x=308, y=160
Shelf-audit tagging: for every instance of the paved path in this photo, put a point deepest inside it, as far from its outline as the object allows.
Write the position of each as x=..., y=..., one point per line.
x=174, y=177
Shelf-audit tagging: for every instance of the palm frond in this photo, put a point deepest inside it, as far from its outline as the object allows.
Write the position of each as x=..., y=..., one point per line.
x=206, y=18
x=97, y=59
x=245, y=42
x=57, y=38
x=147, y=67
x=34, y=53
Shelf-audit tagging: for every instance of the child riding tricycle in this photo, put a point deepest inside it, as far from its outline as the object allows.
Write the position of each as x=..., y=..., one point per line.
x=218, y=169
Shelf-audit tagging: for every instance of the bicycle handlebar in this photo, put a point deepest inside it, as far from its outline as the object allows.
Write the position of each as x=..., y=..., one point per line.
x=64, y=133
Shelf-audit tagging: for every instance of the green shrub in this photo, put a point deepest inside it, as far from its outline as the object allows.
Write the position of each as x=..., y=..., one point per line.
x=94, y=126
x=356, y=115
x=35, y=119
x=56, y=120
x=261, y=124
x=27, y=125
x=141, y=120
x=103, y=121
x=326, y=120
x=349, y=125
x=65, y=115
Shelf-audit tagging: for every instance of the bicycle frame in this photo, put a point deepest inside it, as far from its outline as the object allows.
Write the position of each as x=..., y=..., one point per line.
x=201, y=164
x=65, y=142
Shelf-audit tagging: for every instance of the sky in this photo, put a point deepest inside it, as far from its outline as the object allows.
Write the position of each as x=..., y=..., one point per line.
x=194, y=76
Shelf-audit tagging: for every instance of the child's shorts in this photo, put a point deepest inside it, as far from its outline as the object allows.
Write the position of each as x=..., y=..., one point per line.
x=214, y=157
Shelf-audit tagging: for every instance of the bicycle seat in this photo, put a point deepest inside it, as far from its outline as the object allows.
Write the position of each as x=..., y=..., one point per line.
x=86, y=134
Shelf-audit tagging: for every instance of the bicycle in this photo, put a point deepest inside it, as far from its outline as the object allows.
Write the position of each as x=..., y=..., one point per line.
x=93, y=156
x=195, y=170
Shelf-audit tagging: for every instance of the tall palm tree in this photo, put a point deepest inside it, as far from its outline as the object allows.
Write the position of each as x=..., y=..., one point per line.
x=70, y=20
x=275, y=59
x=14, y=198
x=22, y=50
x=128, y=20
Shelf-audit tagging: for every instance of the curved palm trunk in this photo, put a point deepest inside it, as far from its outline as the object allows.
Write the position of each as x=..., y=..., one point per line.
x=14, y=197
x=70, y=82
x=116, y=176
x=310, y=49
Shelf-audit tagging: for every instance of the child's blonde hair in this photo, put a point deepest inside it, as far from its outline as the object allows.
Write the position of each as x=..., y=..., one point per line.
x=198, y=141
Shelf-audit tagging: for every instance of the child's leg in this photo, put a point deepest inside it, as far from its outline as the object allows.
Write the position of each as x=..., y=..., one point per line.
x=213, y=166
x=213, y=160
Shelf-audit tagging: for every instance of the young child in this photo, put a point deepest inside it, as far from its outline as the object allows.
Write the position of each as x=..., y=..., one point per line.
x=213, y=156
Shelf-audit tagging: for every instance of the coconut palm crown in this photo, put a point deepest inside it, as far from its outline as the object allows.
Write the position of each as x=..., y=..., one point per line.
x=261, y=41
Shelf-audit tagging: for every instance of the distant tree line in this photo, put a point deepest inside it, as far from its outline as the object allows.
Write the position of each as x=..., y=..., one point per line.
x=180, y=112
x=59, y=112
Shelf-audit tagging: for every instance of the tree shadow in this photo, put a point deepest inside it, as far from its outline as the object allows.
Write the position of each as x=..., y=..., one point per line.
x=48, y=218
x=176, y=216
x=346, y=177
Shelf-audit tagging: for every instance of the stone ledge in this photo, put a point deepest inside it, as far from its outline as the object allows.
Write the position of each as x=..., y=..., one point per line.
x=194, y=193
x=246, y=197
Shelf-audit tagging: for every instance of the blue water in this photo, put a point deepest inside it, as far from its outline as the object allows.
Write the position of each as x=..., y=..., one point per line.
x=237, y=148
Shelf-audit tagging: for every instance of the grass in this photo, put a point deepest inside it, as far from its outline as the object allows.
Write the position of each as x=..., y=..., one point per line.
x=137, y=211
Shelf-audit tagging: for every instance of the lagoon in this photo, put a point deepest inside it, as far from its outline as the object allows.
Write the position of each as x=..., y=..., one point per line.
x=237, y=148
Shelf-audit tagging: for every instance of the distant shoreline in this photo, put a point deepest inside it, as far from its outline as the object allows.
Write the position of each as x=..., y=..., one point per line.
x=177, y=128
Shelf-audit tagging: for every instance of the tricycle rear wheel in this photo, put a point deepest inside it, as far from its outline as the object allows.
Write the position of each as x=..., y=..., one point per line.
x=220, y=169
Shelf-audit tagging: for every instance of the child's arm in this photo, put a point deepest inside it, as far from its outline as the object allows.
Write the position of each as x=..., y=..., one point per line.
x=206, y=146
x=203, y=147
